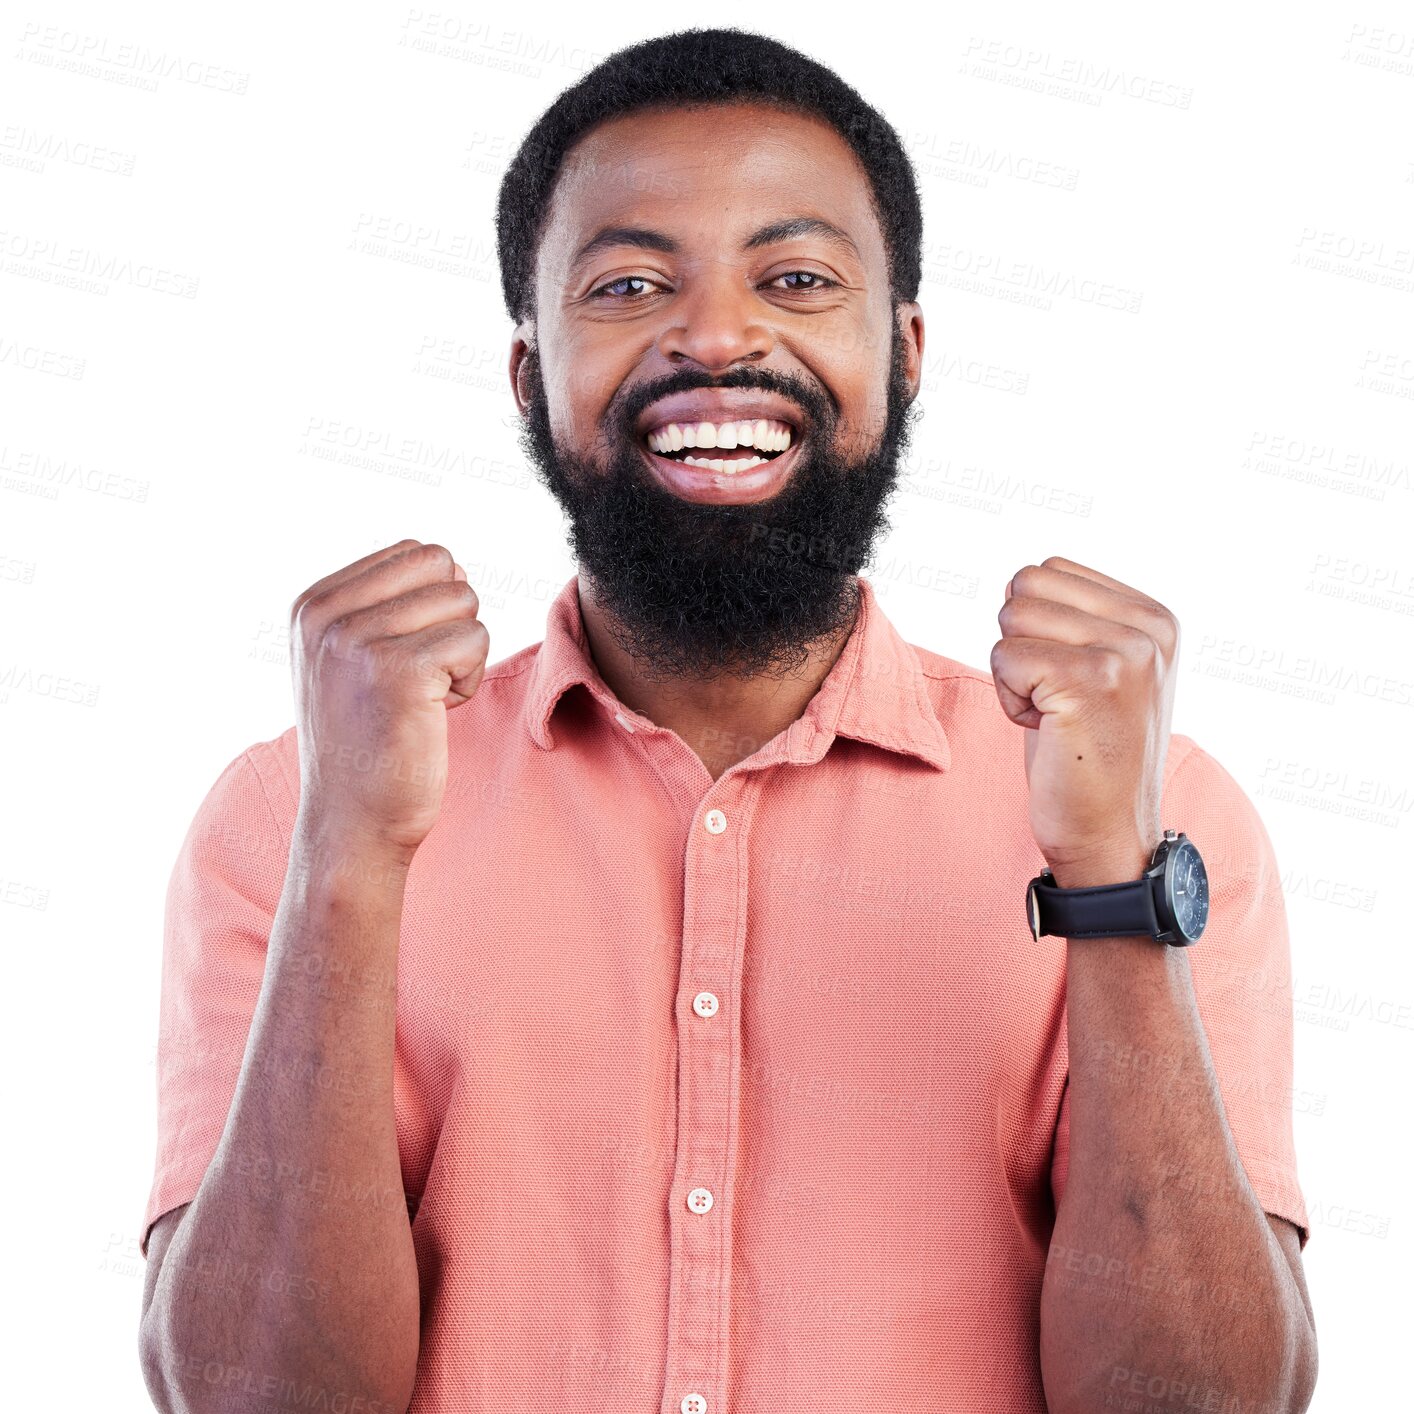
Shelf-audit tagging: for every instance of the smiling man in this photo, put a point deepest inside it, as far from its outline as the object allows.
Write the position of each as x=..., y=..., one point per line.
x=702, y=1046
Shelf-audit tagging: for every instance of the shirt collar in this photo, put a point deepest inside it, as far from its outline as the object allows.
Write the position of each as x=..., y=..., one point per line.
x=875, y=691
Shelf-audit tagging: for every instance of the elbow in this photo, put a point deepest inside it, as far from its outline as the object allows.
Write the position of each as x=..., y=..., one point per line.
x=179, y=1382
x=154, y=1369
x=1305, y=1367
x=1275, y=1372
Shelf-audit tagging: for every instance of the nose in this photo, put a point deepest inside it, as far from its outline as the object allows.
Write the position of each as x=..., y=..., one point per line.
x=715, y=321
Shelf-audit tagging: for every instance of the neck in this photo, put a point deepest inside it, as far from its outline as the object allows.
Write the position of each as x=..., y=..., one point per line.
x=724, y=720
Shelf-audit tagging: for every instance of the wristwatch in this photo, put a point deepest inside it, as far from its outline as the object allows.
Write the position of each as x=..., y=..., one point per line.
x=1168, y=902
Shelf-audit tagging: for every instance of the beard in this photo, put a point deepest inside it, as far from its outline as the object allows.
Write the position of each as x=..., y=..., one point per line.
x=699, y=591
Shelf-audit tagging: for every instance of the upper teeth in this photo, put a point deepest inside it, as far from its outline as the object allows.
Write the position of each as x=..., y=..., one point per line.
x=765, y=434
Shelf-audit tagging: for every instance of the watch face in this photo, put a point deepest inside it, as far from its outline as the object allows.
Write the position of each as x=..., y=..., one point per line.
x=1188, y=889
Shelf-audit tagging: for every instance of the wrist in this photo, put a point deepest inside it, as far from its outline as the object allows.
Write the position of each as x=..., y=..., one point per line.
x=341, y=858
x=1120, y=865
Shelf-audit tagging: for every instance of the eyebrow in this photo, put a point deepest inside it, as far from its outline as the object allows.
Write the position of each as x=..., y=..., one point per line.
x=791, y=228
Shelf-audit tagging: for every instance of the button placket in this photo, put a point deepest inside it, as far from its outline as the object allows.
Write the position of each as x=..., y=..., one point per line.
x=700, y=1216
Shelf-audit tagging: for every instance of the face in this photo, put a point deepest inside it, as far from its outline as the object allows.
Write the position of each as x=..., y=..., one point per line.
x=724, y=309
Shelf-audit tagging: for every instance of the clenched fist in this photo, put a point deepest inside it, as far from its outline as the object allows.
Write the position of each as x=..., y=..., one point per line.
x=382, y=650
x=1091, y=664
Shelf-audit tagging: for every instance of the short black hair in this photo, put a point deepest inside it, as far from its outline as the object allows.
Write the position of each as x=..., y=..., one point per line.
x=695, y=68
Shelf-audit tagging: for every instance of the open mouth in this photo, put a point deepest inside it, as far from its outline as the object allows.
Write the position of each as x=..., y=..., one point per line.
x=755, y=468
x=728, y=459
x=728, y=448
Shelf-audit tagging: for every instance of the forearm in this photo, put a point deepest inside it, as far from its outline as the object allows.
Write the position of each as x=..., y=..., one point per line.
x=292, y=1271
x=1163, y=1276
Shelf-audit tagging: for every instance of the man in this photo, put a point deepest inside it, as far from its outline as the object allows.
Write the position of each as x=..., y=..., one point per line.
x=650, y=1020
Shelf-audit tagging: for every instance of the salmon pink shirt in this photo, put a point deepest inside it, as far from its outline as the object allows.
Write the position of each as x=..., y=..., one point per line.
x=743, y=1096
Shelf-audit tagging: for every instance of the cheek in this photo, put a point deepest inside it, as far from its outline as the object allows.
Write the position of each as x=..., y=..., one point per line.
x=863, y=414
x=581, y=382
x=854, y=364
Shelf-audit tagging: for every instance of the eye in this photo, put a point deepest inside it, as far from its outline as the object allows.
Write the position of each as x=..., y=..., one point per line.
x=818, y=282
x=605, y=291
x=602, y=291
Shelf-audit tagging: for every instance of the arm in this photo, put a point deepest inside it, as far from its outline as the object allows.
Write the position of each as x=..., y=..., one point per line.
x=1165, y=1277
x=294, y=1262
x=1165, y=1284
x=291, y=1277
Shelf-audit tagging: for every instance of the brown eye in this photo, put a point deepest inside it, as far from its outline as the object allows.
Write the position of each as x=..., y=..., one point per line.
x=818, y=282
x=602, y=291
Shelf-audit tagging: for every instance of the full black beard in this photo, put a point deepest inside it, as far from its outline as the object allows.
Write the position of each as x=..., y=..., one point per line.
x=701, y=591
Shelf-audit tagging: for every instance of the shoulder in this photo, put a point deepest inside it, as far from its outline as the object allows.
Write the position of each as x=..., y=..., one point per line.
x=964, y=696
x=273, y=763
x=960, y=693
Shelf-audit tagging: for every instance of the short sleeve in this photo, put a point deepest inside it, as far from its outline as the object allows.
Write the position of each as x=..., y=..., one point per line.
x=220, y=906
x=1242, y=982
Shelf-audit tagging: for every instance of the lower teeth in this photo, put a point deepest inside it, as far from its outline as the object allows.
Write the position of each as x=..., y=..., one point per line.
x=730, y=466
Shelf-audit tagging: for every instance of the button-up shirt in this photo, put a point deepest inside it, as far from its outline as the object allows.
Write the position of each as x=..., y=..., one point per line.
x=745, y=1096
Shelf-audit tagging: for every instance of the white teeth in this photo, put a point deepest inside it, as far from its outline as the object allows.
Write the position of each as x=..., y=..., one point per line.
x=765, y=434
x=731, y=467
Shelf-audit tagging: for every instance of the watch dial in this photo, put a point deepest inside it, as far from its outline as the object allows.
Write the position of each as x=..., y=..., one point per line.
x=1190, y=889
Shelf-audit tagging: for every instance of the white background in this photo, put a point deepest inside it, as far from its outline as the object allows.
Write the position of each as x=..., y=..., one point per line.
x=1170, y=333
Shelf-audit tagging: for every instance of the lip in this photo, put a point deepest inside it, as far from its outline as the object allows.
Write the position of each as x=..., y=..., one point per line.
x=719, y=488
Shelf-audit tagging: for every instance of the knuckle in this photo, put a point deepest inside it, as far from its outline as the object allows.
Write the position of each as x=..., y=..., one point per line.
x=436, y=556
x=1007, y=612
x=302, y=615
x=1024, y=577
x=1165, y=629
x=1135, y=644
x=332, y=638
x=1110, y=666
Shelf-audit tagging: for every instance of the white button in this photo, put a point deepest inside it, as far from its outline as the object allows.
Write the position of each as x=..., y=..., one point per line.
x=705, y=1004
x=693, y=1404
x=699, y=1200
x=624, y=722
x=715, y=821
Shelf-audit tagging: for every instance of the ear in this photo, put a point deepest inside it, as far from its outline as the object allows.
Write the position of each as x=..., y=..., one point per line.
x=522, y=348
x=909, y=314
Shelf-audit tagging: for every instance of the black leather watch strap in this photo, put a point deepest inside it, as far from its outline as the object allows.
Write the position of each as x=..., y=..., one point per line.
x=1101, y=911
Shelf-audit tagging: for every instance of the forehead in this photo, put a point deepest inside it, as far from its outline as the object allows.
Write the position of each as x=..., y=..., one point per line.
x=707, y=176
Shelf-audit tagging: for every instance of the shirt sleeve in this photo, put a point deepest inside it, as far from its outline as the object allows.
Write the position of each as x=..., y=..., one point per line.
x=221, y=899
x=1241, y=969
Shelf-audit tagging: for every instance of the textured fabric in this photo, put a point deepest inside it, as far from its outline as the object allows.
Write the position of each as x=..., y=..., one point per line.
x=873, y=1095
